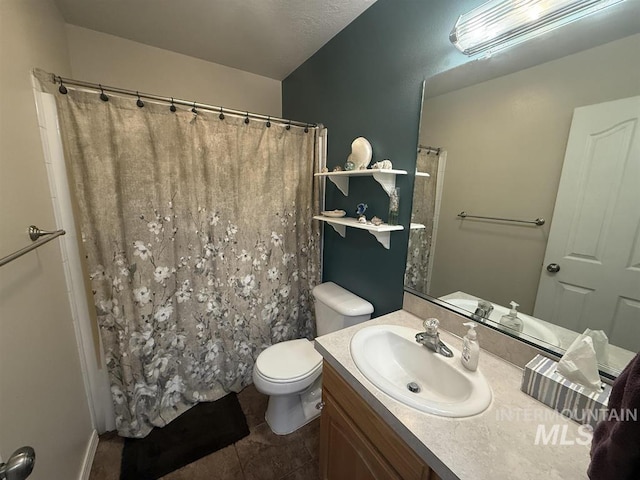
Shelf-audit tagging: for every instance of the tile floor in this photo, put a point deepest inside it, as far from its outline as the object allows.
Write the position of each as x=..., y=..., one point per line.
x=261, y=455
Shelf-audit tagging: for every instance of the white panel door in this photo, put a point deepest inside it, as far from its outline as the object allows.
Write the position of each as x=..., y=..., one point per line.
x=595, y=232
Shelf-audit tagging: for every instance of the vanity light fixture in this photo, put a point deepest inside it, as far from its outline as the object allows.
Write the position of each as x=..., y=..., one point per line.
x=498, y=24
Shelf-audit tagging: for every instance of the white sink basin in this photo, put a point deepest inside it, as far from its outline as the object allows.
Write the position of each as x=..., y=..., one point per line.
x=390, y=358
x=532, y=326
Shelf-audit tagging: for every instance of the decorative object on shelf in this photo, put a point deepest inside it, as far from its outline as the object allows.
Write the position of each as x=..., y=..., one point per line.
x=334, y=213
x=349, y=166
x=337, y=168
x=386, y=178
x=383, y=165
x=381, y=232
x=377, y=221
x=361, y=153
x=394, y=205
x=325, y=169
x=360, y=209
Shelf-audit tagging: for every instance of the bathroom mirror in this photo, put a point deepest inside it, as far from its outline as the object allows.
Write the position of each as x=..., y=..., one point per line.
x=497, y=149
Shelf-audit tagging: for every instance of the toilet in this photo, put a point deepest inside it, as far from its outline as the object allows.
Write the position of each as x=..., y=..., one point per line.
x=290, y=372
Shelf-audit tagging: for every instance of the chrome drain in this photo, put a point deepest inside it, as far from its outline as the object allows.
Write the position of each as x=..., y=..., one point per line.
x=413, y=387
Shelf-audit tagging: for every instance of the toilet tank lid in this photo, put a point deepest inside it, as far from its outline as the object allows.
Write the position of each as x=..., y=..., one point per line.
x=342, y=301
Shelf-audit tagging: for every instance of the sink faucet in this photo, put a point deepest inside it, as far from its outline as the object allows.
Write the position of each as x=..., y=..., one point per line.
x=430, y=338
x=483, y=310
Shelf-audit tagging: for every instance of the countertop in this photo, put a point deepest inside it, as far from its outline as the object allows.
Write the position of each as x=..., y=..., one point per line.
x=617, y=358
x=498, y=444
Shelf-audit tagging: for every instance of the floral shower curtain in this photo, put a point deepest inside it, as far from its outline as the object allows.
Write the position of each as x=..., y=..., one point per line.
x=200, y=242
x=416, y=274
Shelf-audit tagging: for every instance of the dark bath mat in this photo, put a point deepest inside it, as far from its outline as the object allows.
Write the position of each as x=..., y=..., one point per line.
x=202, y=430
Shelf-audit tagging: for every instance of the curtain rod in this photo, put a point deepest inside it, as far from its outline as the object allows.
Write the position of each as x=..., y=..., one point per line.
x=435, y=150
x=174, y=101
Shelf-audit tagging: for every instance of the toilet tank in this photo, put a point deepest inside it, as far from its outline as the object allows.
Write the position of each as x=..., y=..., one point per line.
x=337, y=308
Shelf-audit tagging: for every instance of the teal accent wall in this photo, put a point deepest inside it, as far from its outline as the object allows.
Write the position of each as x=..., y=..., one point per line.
x=367, y=81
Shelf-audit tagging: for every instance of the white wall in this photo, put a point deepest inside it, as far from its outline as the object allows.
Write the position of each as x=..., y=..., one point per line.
x=101, y=58
x=505, y=141
x=43, y=400
x=42, y=397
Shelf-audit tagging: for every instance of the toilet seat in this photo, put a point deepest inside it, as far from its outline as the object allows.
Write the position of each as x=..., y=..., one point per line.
x=288, y=362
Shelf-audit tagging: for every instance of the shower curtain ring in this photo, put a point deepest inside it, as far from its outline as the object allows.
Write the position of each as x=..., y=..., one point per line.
x=172, y=107
x=103, y=96
x=139, y=103
x=269, y=121
x=288, y=127
x=306, y=128
x=62, y=89
x=246, y=119
x=193, y=110
x=221, y=116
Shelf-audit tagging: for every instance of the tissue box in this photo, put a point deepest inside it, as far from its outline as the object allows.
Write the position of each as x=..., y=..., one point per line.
x=542, y=382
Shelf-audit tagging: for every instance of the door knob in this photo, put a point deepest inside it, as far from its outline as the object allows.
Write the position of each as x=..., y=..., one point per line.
x=19, y=465
x=553, y=268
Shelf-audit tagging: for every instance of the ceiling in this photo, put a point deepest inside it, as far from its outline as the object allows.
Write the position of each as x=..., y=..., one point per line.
x=266, y=37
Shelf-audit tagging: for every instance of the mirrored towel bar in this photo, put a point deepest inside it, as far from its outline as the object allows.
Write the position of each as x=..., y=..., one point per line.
x=537, y=221
x=34, y=234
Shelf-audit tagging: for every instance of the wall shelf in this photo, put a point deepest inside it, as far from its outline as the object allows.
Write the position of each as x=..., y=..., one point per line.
x=417, y=226
x=381, y=232
x=386, y=178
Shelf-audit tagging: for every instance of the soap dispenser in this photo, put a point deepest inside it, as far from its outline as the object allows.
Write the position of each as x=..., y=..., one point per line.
x=511, y=320
x=470, y=348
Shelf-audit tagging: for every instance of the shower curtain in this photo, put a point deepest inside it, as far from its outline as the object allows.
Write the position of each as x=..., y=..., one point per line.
x=200, y=244
x=423, y=212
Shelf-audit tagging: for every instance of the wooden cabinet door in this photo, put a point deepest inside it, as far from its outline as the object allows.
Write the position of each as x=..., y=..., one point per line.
x=349, y=424
x=345, y=453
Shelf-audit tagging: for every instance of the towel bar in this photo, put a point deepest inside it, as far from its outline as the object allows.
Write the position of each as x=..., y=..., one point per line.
x=34, y=233
x=537, y=221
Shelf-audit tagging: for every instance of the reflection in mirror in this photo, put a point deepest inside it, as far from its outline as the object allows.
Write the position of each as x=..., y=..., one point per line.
x=430, y=165
x=558, y=141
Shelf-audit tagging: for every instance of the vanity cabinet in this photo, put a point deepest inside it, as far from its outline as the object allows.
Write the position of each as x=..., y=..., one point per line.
x=356, y=443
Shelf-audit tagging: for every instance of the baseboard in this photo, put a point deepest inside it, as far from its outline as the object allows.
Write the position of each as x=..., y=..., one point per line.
x=89, y=454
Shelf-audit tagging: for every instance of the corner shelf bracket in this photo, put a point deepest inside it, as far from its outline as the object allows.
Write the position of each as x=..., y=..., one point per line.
x=384, y=238
x=340, y=229
x=386, y=180
x=342, y=183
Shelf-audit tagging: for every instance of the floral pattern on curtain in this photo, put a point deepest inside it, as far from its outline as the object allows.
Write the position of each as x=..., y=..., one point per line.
x=416, y=275
x=200, y=244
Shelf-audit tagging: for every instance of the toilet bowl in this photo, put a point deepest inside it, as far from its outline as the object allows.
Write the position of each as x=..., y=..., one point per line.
x=290, y=372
